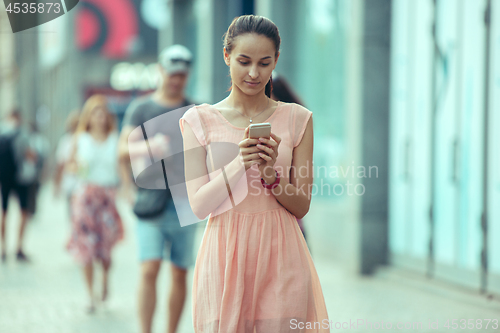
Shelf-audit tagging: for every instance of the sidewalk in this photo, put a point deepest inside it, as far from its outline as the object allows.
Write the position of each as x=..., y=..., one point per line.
x=48, y=295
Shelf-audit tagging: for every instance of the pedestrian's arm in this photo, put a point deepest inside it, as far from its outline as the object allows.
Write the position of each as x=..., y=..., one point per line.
x=133, y=145
x=72, y=163
x=126, y=146
x=206, y=195
x=295, y=195
x=58, y=178
x=123, y=158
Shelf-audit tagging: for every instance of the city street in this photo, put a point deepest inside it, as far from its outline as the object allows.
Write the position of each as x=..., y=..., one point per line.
x=48, y=295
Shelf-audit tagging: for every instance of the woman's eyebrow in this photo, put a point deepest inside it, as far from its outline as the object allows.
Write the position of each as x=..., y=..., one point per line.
x=245, y=56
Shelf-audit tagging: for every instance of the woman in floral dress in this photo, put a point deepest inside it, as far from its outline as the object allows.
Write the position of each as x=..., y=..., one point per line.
x=96, y=224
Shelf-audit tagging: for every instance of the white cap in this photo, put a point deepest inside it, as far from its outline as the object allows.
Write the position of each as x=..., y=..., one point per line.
x=175, y=59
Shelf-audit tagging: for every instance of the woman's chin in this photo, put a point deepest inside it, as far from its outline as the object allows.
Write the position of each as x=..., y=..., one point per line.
x=250, y=91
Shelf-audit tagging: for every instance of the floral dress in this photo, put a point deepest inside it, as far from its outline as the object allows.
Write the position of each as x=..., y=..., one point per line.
x=96, y=224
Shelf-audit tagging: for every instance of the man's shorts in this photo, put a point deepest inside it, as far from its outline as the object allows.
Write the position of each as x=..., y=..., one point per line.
x=21, y=191
x=164, y=233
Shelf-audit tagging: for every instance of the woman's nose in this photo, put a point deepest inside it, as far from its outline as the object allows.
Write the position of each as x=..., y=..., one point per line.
x=253, y=73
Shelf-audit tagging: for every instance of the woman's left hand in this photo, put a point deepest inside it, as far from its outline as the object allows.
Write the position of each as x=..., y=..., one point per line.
x=269, y=154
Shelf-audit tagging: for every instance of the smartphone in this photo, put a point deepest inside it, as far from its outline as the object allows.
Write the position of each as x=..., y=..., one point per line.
x=262, y=130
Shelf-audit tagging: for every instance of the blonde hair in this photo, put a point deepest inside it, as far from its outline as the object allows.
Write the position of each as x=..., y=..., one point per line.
x=90, y=105
x=72, y=121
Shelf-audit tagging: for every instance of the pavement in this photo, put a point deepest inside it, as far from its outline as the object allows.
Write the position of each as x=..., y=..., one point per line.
x=48, y=294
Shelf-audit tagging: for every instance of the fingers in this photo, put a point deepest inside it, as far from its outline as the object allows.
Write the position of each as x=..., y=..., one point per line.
x=266, y=149
x=269, y=142
x=276, y=138
x=251, y=157
x=250, y=150
x=269, y=146
x=248, y=142
x=250, y=160
x=265, y=157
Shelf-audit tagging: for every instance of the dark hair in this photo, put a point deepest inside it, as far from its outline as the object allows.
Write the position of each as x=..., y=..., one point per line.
x=260, y=25
x=284, y=92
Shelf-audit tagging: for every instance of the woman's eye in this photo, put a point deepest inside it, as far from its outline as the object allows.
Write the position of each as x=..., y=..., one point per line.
x=243, y=63
x=265, y=64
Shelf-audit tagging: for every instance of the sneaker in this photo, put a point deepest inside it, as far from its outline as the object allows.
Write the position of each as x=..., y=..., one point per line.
x=21, y=256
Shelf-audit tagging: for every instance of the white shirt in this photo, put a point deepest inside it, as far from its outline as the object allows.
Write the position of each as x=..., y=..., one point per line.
x=98, y=161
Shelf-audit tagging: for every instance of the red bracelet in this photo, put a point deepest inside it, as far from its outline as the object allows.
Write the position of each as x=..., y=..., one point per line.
x=273, y=185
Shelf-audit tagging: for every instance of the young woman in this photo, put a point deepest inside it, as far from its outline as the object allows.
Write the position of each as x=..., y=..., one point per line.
x=253, y=272
x=96, y=225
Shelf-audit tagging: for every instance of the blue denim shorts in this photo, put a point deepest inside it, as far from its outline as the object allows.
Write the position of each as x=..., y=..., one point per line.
x=164, y=234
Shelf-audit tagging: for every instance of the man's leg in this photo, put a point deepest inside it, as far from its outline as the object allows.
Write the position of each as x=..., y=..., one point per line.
x=24, y=219
x=177, y=297
x=181, y=256
x=22, y=193
x=4, y=221
x=147, y=293
x=5, y=190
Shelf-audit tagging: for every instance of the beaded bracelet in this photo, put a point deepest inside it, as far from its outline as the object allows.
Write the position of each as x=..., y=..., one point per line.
x=273, y=185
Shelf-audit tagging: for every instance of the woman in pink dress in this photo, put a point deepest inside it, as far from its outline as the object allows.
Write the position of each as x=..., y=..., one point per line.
x=96, y=224
x=253, y=272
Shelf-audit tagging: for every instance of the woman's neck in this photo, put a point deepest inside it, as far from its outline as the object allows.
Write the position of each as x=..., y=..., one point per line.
x=246, y=104
x=98, y=134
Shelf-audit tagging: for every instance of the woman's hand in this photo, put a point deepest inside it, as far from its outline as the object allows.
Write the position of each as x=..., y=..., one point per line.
x=72, y=167
x=269, y=153
x=127, y=193
x=249, y=151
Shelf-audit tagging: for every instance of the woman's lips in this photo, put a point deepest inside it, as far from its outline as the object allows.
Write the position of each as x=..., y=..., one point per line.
x=252, y=84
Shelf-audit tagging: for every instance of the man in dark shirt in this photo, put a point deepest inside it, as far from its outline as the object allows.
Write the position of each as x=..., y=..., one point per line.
x=14, y=151
x=163, y=229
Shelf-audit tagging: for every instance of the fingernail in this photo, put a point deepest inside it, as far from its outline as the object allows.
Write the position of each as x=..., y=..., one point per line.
x=262, y=139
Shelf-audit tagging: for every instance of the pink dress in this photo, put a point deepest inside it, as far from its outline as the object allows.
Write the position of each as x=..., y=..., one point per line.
x=254, y=272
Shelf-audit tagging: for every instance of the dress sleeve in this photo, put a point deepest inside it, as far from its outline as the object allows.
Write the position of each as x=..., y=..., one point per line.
x=193, y=118
x=301, y=117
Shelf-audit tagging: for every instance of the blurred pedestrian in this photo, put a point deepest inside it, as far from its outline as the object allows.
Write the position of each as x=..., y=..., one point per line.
x=64, y=181
x=96, y=224
x=282, y=91
x=254, y=272
x=158, y=225
x=32, y=169
x=14, y=151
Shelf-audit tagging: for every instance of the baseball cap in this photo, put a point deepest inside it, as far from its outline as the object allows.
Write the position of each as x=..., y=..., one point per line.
x=175, y=59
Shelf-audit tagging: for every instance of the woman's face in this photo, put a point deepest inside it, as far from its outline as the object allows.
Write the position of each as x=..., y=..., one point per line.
x=98, y=118
x=251, y=62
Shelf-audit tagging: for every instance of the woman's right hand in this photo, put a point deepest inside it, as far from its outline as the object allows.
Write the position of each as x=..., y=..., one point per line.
x=249, y=150
x=71, y=167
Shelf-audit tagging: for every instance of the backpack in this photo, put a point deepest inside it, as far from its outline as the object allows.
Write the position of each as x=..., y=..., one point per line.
x=8, y=164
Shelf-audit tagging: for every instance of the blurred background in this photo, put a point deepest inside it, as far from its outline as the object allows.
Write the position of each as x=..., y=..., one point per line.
x=404, y=223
